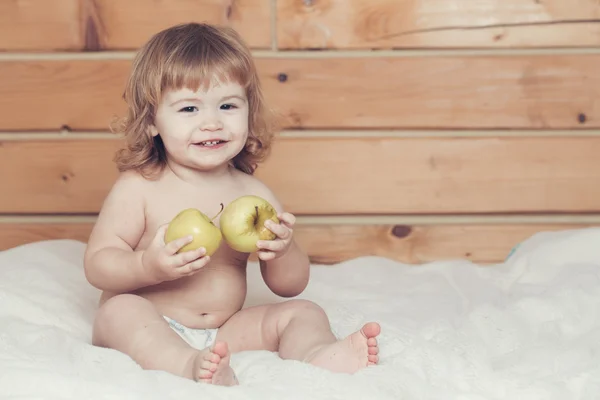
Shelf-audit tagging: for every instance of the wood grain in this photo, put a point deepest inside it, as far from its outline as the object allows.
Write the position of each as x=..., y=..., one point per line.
x=367, y=175
x=72, y=94
x=330, y=244
x=40, y=25
x=93, y=25
x=18, y=234
x=122, y=26
x=477, y=92
x=378, y=24
x=437, y=92
x=417, y=244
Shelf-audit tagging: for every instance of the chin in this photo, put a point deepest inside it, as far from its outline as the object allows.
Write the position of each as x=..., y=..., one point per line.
x=210, y=167
x=207, y=165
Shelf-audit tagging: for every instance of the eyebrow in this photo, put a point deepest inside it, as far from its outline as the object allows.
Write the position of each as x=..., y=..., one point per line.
x=192, y=99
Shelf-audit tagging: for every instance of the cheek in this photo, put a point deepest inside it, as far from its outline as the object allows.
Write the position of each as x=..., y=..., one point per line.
x=238, y=123
x=174, y=132
x=176, y=145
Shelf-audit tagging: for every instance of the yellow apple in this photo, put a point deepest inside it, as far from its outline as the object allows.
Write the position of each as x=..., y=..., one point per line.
x=243, y=222
x=193, y=222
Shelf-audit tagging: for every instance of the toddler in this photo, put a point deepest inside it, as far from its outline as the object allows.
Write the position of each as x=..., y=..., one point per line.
x=195, y=131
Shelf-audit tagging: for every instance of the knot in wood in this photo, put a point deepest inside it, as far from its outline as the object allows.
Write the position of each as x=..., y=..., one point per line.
x=401, y=231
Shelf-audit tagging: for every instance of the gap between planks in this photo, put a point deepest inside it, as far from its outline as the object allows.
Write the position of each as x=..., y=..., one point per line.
x=464, y=219
x=316, y=133
x=308, y=53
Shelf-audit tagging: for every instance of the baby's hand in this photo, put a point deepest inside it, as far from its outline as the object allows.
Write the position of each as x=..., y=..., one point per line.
x=163, y=263
x=272, y=249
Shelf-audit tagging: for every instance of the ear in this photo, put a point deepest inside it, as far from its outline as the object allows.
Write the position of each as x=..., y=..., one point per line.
x=153, y=130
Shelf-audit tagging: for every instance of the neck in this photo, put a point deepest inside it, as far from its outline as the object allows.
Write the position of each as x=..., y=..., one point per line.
x=194, y=176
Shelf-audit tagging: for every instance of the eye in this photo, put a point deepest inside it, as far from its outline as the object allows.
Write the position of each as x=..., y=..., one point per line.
x=228, y=106
x=188, y=109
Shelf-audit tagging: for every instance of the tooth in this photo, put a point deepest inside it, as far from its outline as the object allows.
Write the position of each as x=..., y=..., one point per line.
x=210, y=142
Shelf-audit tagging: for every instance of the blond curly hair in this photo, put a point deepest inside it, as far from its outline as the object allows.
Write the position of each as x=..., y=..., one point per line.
x=189, y=55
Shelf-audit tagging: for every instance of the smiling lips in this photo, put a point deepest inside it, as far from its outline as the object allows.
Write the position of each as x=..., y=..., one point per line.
x=211, y=143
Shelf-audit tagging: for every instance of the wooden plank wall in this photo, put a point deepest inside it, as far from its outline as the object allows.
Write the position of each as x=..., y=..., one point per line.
x=418, y=130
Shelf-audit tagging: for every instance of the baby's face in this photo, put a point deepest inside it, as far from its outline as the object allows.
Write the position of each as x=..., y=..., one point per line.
x=203, y=129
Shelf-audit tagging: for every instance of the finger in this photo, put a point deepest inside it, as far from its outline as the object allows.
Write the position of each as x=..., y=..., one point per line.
x=193, y=267
x=188, y=256
x=161, y=232
x=174, y=246
x=281, y=231
x=266, y=255
x=287, y=218
x=273, y=245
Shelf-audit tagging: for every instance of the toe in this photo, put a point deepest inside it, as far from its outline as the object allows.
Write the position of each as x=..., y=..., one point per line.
x=220, y=349
x=372, y=342
x=371, y=329
x=212, y=357
x=205, y=374
x=373, y=358
x=208, y=365
x=373, y=350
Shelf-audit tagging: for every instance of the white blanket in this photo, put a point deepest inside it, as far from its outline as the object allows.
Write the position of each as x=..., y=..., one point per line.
x=525, y=329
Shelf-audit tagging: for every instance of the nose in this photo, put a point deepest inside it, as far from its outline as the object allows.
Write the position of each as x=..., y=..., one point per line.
x=211, y=122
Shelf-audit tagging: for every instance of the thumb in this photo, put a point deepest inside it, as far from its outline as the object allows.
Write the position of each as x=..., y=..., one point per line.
x=160, y=234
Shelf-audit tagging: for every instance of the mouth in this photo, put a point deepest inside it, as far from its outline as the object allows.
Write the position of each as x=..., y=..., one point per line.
x=210, y=143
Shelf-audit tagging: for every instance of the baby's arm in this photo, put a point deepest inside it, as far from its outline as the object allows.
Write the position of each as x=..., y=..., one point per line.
x=110, y=263
x=288, y=274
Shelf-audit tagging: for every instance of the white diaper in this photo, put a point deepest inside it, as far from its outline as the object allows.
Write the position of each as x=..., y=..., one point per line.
x=197, y=338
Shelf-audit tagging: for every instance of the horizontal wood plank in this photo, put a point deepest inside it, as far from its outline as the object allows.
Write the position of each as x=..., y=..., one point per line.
x=367, y=175
x=330, y=244
x=92, y=25
x=479, y=92
x=121, y=26
x=18, y=234
x=417, y=244
x=40, y=25
x=377, y=24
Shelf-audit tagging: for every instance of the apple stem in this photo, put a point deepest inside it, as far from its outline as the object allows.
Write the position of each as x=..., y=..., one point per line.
x=220, y=211
x=256, y=219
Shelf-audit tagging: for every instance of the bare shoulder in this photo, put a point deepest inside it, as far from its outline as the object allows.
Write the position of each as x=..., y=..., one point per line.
x=121, y=220
x=253, y=185
x=129, y=181
x=129, y=190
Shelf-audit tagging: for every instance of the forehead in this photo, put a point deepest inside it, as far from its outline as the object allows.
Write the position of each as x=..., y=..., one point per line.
x=214, y=90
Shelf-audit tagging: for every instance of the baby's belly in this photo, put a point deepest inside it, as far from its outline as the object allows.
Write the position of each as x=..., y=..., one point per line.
x=205, y=300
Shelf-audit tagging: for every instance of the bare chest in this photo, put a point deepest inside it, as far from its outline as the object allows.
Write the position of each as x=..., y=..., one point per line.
x=163, y=204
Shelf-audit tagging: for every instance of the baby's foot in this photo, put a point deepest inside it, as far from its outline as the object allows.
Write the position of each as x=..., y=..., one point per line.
x=350, y=354
x=212, y=366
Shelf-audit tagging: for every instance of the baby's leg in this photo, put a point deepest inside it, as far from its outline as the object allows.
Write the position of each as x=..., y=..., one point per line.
x=300, y=330
x=131, y=325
